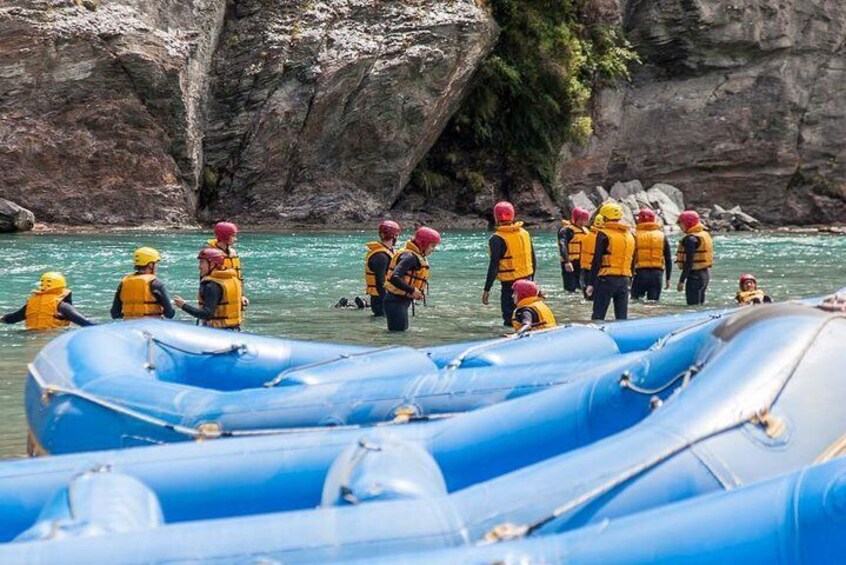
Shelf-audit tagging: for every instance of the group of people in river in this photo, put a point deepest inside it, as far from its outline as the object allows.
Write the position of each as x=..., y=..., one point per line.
x=609, y=262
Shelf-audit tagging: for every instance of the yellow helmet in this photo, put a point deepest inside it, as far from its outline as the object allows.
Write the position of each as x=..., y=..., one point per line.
x=612, y=211
x=52, y=280
x=145, y=255
x=599, y=221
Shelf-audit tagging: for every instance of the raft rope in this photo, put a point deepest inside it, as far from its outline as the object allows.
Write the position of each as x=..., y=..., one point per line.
x=287, y=372
x=363, y=446
x=208, y=430
x=684, y=376
x=507, y=531
x=461, y=357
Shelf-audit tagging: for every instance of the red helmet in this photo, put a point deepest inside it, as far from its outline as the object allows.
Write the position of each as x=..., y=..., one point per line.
x=426, y=236
x=579, y=214
x=744, y=278
x=214, y=256
x=225, y=231
x=503, y=211
x=389, y=228
x=646, y=215
x=524, y=289
x=688, y=219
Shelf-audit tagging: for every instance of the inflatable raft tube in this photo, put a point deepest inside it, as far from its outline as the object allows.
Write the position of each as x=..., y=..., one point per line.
x=118, y=386
x=752, y=413
x=288, y=472
x=795, y=519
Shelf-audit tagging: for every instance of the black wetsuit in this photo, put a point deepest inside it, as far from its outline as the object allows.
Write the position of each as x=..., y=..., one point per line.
x=396, y=306
x=159, y=291
x=65, y=311
x=695, y=282
x=608, y=287
x=497, y=248
x=378, y=265
x=212, y=295
x=571, y=280
x=650, y=281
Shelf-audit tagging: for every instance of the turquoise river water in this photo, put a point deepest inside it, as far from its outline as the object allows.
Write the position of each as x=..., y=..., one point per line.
x=294, y=280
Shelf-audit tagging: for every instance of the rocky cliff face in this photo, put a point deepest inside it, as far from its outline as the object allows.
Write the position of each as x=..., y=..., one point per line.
x=738, y=102
x=131, y=111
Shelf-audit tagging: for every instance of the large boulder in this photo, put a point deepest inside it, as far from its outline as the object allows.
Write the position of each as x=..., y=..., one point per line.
x=100, y=105
x=14, y=218
x=737, y=102
x=320, y=110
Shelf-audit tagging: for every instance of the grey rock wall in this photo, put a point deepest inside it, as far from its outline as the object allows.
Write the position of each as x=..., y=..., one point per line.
x=741, y=102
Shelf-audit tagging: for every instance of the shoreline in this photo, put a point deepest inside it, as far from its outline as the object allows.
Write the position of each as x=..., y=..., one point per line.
x=545, y=226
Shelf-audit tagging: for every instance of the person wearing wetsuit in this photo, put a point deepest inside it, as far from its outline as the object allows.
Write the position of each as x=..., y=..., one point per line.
x=220, y=304
x=571, y=236
x=142, y=294
x=512, y=258
x=653, y=263
x=611, y=270
x=695, y=257
x=225, y=238
x=530, y=313
x=408, y=277
x=376, y=264
x=49, y=307
x=749, y=293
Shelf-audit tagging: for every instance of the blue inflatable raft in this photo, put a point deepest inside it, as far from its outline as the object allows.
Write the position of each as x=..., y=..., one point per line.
x=795, y=519
x=151, y=382
x=748, y=413
x=287, y=472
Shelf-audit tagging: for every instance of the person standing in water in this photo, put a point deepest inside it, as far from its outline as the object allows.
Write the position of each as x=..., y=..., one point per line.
x=749, y=292
x=142, y=294
x=220, y=293
x=611, y=269
x=512, y=258
x=49, y=307
x=225, y=238
x=408, y=277
x=588, y=247
x=571, y=236
x=376, y=262
x=530, y=312
x=695, y=257
x=653, y=266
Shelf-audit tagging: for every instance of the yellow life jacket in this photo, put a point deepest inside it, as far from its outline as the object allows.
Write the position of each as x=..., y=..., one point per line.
x=588, y=247
x=137, y=299
x=649, y=246
x=704, y=256
x=417, y=279
x=373, y=248
x=228, y=312
x=232, y=260
x=747, y=297
x=517, y=261
x=574, y=246
x=617, y=261
x=42, y=309
x=546, y=319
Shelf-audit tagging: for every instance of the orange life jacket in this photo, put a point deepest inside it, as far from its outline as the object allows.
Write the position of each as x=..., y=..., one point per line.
x=42, y=309
x=417, y=279
x=617, y=260
x=574, y=246
x=137, y=300
x=373, y=248
x=546, y=319
x=516, y=263
x=649, y=246
x=704, y=256
x=228, y=313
